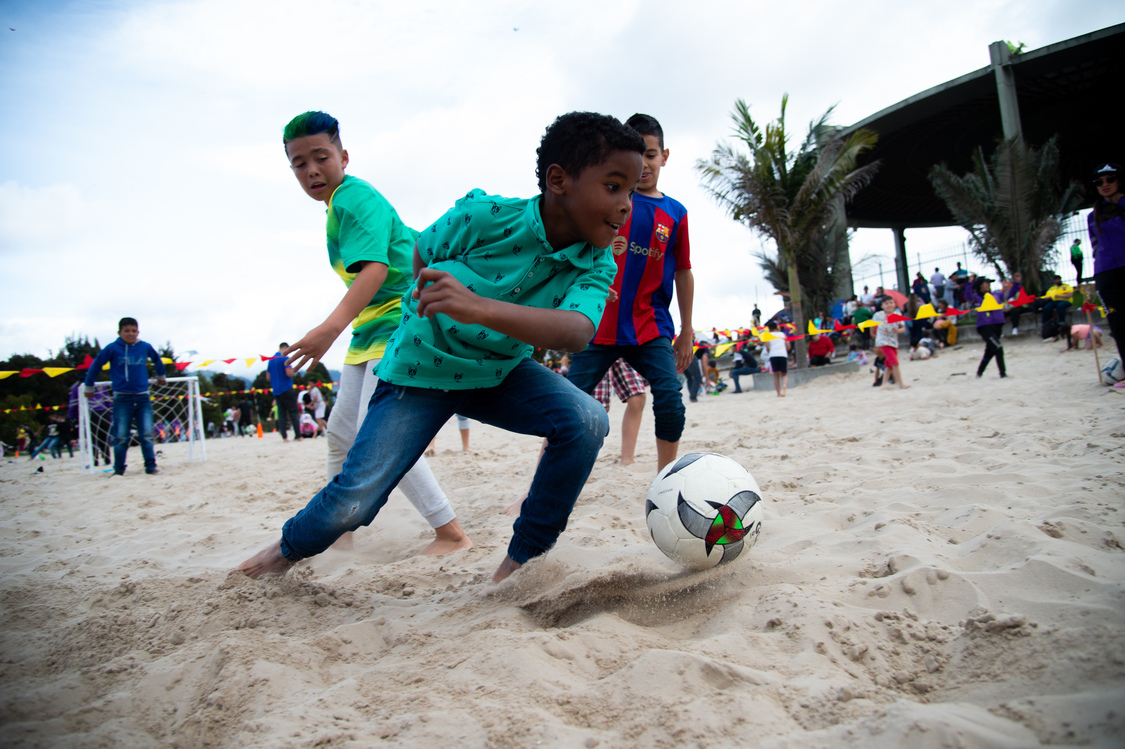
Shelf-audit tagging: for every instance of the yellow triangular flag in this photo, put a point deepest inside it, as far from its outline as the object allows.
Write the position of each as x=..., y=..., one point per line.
x=56, y=371
x=722, y=348
x=166, y=360
x=925, y=311
x=7, y=374
x=990, y=304
x=869, y=324
x=765, y=335
x=204, y=364
x=251, y=360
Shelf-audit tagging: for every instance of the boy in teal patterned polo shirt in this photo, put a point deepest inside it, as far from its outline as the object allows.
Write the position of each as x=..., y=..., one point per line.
x=370, y=248
x=494, y=277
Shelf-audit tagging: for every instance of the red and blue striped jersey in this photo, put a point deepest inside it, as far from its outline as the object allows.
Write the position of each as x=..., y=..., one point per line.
x=649, y=249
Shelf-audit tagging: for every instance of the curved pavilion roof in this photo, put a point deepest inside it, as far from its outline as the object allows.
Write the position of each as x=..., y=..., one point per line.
x=1072, y=88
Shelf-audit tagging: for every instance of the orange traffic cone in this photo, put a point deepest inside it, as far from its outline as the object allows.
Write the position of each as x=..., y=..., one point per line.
x=259, y=430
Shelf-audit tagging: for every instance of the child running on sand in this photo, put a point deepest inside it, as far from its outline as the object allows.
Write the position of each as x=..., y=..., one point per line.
x=370, y=248
x=494, y=278
x=886, y=339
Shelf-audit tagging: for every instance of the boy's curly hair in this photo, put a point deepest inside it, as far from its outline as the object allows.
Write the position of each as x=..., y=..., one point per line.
x=312, y=123
x=577, y=140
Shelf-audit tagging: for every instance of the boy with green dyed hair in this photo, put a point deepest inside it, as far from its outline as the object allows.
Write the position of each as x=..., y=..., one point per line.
x=370, y=248
x=495, y=277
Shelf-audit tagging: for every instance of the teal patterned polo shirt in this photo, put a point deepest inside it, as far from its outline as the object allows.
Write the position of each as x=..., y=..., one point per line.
x=497, y=248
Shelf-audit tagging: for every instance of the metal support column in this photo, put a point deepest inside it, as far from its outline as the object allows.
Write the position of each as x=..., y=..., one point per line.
x=902, y=272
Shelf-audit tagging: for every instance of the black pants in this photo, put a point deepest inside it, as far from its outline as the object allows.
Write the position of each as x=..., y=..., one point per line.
x=1077, y=263
x=1111, y=288
x=287, y=410
x=992, y=347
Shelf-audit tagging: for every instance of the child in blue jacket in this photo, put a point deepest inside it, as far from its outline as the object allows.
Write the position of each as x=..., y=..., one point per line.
x=128, y=372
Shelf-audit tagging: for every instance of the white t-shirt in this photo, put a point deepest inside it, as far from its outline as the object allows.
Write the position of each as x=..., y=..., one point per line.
x=776, y=347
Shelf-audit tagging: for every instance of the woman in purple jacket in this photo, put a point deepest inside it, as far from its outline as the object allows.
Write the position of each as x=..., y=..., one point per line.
x=1107, y=237
x=989, y=325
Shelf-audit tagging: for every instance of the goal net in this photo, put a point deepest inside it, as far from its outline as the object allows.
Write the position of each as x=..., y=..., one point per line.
x=177, y=419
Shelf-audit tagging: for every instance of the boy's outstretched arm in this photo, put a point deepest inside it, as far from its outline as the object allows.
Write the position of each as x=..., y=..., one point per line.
x=562, y=330
x=685, y=297
x=317, y=341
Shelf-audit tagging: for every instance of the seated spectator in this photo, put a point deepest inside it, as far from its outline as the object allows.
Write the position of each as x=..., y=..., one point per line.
x=1055, y=309
x=744, y=364
x=821, y=350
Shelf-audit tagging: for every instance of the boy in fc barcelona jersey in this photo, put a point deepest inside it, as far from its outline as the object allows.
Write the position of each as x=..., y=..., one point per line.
x=652, y=254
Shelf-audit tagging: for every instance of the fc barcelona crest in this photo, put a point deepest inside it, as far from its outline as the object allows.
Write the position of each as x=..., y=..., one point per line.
x=663, y=232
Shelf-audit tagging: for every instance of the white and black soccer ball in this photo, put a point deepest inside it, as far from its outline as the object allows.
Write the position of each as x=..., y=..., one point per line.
x=1112, y=371
x=704, y=510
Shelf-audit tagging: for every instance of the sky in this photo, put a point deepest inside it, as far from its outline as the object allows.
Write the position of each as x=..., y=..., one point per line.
x=142, y=171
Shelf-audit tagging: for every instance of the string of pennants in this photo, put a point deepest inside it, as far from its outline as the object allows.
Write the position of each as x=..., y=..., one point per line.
x=156, y=398
x=179, y=365
x=990, y=304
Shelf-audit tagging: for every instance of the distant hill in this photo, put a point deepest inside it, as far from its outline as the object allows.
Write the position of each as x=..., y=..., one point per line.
x=334, y=374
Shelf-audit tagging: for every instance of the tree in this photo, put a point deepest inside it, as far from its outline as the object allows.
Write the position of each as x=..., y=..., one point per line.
x=791, y=197
x=1011, y=205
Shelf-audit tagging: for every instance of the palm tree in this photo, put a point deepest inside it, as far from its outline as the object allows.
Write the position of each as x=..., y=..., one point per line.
x=791, y=197
x=1011, y=205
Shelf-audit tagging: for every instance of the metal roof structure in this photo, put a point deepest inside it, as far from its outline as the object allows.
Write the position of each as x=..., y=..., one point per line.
x=1071, y=89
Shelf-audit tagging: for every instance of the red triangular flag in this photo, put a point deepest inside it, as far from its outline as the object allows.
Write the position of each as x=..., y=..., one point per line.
x=793, y=337
x=227, y=361
x=86, y=362
x=1022, y=298
x=897, y=318
x=182, y=365
x=1089, y=307
x=30, y=372
x=953, y=311
x=267, y=358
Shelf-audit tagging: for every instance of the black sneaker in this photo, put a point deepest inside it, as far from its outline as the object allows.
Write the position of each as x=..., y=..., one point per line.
x=152, y=471
x=119, y=473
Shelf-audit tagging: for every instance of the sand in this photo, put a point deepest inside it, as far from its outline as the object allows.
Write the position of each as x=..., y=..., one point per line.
x=940, y=567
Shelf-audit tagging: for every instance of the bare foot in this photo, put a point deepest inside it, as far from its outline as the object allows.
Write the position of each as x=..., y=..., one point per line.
x=627, y=461
x=904, y=387
x=266, y=560
x=514, y=508
x=430, y=453
x=506, y=568
x=450, y=537
x=346, y=542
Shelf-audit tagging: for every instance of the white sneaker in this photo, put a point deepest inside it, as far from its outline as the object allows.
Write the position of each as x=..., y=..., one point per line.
x=1015, y=332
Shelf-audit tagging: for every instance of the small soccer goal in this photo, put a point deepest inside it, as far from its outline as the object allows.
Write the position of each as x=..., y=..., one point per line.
x=177, y=424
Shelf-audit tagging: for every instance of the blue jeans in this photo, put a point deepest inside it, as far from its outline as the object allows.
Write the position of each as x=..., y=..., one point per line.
x=399, y=425
x=739, y=372
x=48, y=443
x=656, y=363
x=128, y=407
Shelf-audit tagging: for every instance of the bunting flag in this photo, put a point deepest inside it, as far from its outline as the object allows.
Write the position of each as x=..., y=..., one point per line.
x=1022, y=298
x=990, y=304
x=897, y=318
x=926, y=311
x=722, y=348
x=953, y=311
x=872, y=323
x=813, y=330
x=838, y=328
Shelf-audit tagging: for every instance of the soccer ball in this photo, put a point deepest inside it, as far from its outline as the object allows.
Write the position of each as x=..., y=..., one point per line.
x=1112, y=371
x=704, y=510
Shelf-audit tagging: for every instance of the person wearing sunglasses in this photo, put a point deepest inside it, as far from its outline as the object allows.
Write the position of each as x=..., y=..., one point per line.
x=1106, y=225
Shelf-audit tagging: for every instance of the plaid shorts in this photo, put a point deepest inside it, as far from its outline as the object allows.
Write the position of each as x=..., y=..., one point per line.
x=625, y=380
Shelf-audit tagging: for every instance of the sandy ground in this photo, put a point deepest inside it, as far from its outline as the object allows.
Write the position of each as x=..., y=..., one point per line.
x=940, y=567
